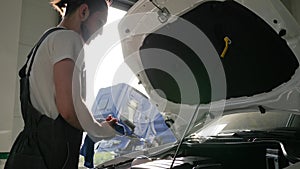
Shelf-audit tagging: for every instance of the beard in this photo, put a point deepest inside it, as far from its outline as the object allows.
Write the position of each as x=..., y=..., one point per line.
x=85, y=32
x=88, y=35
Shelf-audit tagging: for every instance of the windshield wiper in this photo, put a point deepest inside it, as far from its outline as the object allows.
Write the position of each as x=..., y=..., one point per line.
x=112, y=164
x=283, y=132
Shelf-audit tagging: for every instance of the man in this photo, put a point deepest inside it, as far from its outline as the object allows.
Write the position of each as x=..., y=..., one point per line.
x=53, y=125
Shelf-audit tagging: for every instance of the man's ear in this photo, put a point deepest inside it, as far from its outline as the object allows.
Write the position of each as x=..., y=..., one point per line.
x=84, y=12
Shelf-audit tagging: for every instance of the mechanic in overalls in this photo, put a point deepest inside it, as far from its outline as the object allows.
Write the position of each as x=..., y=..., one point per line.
x=52, y=134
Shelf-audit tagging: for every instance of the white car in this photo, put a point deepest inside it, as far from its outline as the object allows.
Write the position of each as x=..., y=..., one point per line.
x=225, y=75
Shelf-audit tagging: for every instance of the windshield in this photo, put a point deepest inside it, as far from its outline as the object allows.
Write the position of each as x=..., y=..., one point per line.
x=246, y=121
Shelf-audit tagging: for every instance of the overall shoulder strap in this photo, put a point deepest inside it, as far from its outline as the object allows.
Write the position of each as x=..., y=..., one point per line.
x=22, y=72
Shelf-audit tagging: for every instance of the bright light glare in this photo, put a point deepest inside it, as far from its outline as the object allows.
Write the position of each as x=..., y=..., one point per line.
x=114, y=14
x=106, y=72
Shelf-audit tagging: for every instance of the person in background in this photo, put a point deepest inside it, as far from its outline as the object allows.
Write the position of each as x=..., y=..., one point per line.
x=54, y=112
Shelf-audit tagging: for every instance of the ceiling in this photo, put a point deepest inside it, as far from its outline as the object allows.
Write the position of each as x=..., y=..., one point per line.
x=123, y=4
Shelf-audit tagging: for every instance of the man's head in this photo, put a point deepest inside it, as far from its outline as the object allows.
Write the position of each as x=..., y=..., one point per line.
x=91, y=13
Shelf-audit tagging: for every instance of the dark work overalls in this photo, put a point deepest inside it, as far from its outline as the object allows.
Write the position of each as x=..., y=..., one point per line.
x=44, y=143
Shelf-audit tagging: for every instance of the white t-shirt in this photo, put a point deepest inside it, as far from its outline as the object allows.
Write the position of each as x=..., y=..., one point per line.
x=58, y=45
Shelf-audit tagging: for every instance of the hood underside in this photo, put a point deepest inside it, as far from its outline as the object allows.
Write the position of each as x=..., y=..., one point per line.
x=259, y=57
x=257, y=60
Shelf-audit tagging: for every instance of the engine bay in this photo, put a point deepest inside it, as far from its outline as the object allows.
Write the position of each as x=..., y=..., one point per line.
x=240, y=150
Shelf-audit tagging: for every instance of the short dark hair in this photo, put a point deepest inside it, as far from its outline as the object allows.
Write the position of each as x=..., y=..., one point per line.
x=71, y=5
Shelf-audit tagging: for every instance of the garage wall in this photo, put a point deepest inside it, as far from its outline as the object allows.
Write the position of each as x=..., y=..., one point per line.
x=22, y=23
x=36, y=17
x=10, y=26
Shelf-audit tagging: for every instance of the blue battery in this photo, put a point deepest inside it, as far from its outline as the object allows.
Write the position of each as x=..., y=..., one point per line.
x=140, y=123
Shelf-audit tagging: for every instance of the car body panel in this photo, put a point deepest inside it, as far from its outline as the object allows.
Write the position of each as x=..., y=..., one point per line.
x=156, y=35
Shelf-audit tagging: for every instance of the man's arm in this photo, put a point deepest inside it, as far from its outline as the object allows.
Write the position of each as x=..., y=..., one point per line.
x=63, y=74
x=68, y=96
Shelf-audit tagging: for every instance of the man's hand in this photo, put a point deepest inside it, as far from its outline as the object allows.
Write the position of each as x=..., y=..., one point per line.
x=109, y=127
x=111, y=121
x=109, y=124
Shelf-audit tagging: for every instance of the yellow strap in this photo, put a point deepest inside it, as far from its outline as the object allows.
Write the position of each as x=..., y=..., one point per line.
x=227, y=42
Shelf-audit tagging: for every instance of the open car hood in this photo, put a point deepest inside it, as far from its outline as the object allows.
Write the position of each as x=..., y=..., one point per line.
x=201, y=60
x=221, y=55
